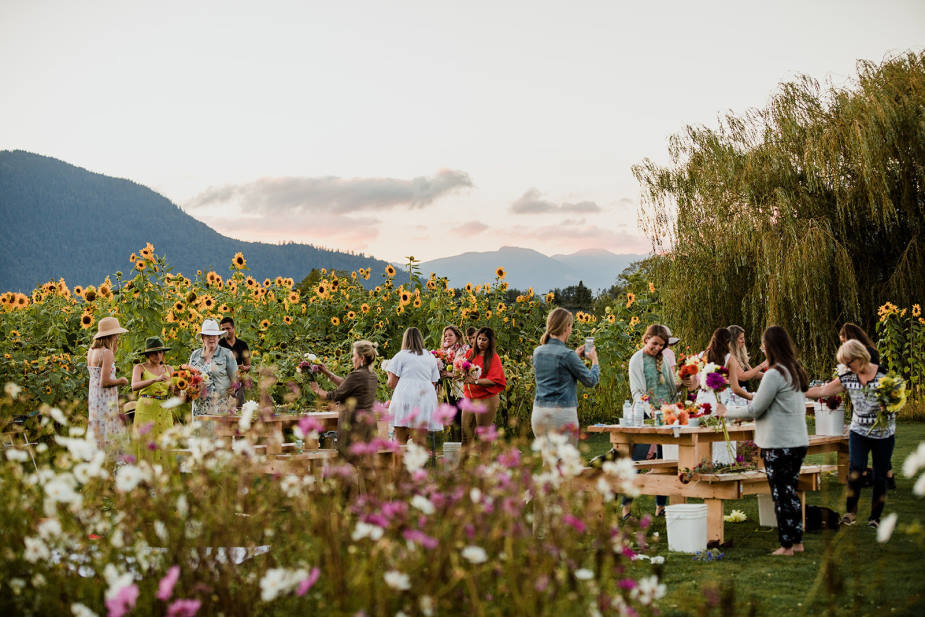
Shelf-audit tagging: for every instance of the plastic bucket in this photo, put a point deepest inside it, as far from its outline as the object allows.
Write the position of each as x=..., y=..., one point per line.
x=687, y=527
x=669, y=452
x=766, y=515
x=829, y=421
x=451, y=454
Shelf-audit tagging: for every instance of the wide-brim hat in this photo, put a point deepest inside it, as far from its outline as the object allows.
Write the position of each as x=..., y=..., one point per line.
x=153, y=344
x=210, y=327
x=108, y=326
x=672, y=340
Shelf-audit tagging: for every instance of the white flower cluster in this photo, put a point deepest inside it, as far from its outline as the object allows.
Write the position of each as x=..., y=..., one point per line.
x=913, y=464
x=280, y=581
x=560, y=459
x=116, y=580
x=248, y=410
x=423, y=504
x=648, y=590
x=619, y=477
x=415, y=457
x=397, y=580
x=366, y=530
x=474, y=554
x=130, y=476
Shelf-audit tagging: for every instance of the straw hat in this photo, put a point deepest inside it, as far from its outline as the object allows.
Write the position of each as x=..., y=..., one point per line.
x=108, y=326
x=210, y=327
x=153, y=344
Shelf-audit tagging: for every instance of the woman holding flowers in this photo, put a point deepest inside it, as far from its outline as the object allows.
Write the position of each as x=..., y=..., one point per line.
x=219, y=371
x=779, y=410
x=873, y=428
x=652, y=380
x=357, y=394
x=451, y=346
x=413, y=374
x=485, y=389
x=106, y=424
x=151, y=379
x=558, y=369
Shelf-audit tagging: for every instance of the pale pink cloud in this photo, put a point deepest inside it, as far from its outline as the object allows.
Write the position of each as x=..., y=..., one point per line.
x=330, y=230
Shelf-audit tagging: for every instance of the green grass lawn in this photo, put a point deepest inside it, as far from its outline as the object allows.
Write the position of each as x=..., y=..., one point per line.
x=841, y=573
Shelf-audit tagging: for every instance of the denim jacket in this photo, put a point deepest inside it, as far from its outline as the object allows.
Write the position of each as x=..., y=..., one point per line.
x=557, y=369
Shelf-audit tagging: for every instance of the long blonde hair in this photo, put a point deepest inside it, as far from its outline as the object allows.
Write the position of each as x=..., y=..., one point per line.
x=367, y=352
x=558, y=320
x=740, y=353
x=661, y=332
x=413, y=341
x=109, y=342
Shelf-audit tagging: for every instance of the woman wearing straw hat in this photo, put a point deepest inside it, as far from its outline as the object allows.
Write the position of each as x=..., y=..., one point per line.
x=219, y=371
x=151, y=379
x=106, y=424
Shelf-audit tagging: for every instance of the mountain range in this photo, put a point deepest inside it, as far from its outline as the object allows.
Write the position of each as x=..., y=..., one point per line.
x=59, y=220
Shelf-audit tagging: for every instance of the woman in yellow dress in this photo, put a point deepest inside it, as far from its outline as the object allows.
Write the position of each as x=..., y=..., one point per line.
x=151, y=379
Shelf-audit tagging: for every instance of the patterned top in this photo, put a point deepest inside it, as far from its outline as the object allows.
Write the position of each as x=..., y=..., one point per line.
x=864, y=406
x=222, y=372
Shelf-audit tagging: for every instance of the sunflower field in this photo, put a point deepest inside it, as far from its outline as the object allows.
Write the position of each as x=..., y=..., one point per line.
x=44, y=336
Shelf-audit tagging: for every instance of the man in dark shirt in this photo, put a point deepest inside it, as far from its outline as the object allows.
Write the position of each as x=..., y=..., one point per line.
x=242, y=353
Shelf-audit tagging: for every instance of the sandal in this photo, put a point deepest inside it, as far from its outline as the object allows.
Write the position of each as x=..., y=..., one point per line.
x=874, y=523
x=847, y=520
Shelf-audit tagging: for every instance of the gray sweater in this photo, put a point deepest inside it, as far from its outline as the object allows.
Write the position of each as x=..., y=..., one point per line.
x=779, y=411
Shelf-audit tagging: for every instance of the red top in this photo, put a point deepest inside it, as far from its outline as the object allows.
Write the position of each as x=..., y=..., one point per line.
x=495, y=373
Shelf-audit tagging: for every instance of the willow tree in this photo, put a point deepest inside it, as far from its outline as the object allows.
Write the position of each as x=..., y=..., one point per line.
x=806, y=213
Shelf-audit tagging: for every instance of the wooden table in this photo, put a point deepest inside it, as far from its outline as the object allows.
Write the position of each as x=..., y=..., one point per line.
x=269, y=428
x=695, y=446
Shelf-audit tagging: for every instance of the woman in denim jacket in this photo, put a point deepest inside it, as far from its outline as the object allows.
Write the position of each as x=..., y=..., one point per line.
x=557, y=369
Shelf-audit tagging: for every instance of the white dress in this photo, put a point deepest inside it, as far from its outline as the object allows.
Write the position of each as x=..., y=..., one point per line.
x=415, y=398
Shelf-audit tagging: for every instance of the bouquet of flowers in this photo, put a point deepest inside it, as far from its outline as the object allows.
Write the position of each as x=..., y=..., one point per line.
x=463, y=367
x=714, y=377
x=685, y=410
x=309, y=366
x=687, y=367
x=832, y=402
x=891, y=394
x=445, y=357
x=191, y=381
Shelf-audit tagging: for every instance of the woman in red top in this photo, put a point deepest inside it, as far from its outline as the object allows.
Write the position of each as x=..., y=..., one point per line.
x=485, y=391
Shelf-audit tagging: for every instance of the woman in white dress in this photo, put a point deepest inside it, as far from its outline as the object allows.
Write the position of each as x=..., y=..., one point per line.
x=413, y=373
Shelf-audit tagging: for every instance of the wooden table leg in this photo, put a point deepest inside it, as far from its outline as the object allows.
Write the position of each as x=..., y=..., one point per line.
x=676, y=499
x=275, y=438
x=842, y=462
x=714, y=519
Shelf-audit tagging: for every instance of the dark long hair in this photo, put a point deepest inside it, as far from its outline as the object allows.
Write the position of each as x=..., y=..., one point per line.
x=853, y=331
x=489, y=353
x=781, y=352
x=719, y=347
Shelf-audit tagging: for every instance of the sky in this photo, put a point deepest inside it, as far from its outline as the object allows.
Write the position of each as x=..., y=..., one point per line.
x=421, y=128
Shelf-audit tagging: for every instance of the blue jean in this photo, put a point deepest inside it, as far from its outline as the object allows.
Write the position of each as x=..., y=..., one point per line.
x=881, y=451
x=640, y=451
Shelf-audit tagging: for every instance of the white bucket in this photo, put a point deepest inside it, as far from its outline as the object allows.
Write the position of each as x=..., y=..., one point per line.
x=766, y=515
x=687, y=527
x=829, y=421
x=721, y=452
x=670, y=452
x=451, y=454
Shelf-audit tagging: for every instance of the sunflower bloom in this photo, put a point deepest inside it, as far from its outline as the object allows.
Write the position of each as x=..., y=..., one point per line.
x=500, y=273
x=634, y=321
x=916, y=310
x=404, y=298
x=264, y=324
x=86, y=320
x=630, y=299
x=238, y=262
x=351, y=315
x=140, y=265
x=293, y=297
x=389, y=271
x=651, y=287
x=550, y=297
x=287, y=320
x=364, y=308
x=335, y=321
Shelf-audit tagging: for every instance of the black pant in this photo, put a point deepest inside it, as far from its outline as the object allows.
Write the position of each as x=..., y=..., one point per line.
x=640, y=452
x=881, y=451
x=783, y=468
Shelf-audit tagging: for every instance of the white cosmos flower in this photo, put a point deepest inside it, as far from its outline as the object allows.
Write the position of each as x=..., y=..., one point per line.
x=885, y=530
x=366, y=530
x=58, y=416
x=918, y=488
x=174, y=401
x=397, y=580
x=474, y=554
x=116, y=580
x=61, y=489
x=658, y=559
x=49, y=528
x=915, y=461
x=415, y=457
x=15, y=454
x=38, y=580
x=35, y=550
x=160, y=530
x=423, y=504
x=648, y=590
x=291, y=485
x=12, y=390
x=128, y=477
x=182, y=506
x=426, y=603
x=475, y=495
x=79, y=610
x=17, y=584
x=83, y=449
x=584, y=574
x=247, y=415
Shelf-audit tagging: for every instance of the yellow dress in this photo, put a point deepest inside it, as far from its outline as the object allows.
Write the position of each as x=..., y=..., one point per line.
x=148, y=410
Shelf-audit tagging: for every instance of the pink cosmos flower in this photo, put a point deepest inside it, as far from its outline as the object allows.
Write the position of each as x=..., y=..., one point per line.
x=510, y=459
x=487, y=433
x=471, y=406
x=165, y=587
x=376, y=519
x=308, y=583
x=183, y=608
x=123, y=601
x=418, y=536
x=627, y=583
x=145, y=428
x=576, y=523
x=309, y=424
x=445, y=414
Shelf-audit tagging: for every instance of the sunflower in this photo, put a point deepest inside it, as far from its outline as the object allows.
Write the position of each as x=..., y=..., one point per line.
x=417, y=302
x=293, y=297
x=488, y=314
x=133, y=258
x=105, y=290
x=916, y=310
x=335, y=321
x=634, y=321
x=207, y=302
x=630, y=299
x=378, y=310
x=389, y=271
x=90, y=293
x=469, y=288
x=400, y=309
x=500, y=273
x=140, y=265
x=78, y=291
x=287, y=319
x=366, y=275
x=191, y=297
x=651, y=287
x=364, y=308
x=238, y=261
x=86, y=320
x=500, y=308
x=182, y=384
x=353, y=275
x=321, y=290
x=267, y=282
x=611, y=318
x=404, y=298
x=351, y=315
x=550, y=297
x=251, y=282
x=503, y=286
x=224, y=309
x=148, y=251
x=278, y=281
x=182, y=324
x=379, y=325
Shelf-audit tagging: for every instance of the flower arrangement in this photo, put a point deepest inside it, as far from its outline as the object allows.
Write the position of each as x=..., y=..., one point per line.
x=832, y=402
x=891, y=394
x=191, y=381
x=714, y=377
x=309, y=366
x=682, y=412
x=463, y=367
